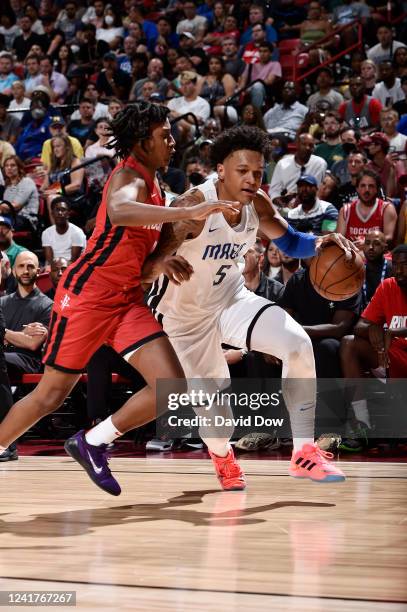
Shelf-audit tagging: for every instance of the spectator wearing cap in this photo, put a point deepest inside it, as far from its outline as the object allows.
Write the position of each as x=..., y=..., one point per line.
x=33, y=73
x=23, y=43
x=9, y=125
x=196, y=24
x=7, y=244
x=7, y=76
x=331, y=149
x=22, y=194
x=111, y=80
x=188, y=45
x=325, y=91
x=189, y=102
x=19, y=101
x=155, y=73
x=289, y=169
x=388, y=90
x=311, y=213
x=377, y=146
x=265, y=70
x=36, y=130
x=256, y=16
x=57, y=127
x=286, y=118
x=52, y=38
x=56, y=82
x=361, y=112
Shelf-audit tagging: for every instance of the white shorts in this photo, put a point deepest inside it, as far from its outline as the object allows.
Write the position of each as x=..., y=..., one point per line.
x=198, y=343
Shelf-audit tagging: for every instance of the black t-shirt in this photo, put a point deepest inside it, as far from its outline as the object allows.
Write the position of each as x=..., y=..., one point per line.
x=376, y=272
x=19, y=311
x=120, y=78
x=47, y=40
x=346, y=193
x=310, y=308
x=82, y=132
x=22, y=45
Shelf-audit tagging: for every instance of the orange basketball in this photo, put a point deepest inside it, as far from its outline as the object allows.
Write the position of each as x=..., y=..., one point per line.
x=334, y=277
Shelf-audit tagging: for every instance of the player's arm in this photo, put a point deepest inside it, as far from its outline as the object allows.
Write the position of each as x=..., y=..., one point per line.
x=287, y=239
x=126, y=204
x=340, y=326
x=22, y=340
x=172, y=236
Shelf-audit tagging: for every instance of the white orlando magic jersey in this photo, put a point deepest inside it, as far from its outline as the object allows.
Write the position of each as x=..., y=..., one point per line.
x=214, y=256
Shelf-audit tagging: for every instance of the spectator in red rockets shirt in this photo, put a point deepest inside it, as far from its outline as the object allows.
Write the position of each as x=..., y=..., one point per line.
x=381, y=334
x=368, y=212
x=361, y=112
x=251, y=51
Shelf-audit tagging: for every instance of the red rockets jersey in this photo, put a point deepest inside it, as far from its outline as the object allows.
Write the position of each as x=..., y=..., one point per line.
x=115, y=255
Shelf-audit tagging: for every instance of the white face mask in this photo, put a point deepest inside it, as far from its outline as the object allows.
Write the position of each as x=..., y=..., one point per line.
x=109, y=19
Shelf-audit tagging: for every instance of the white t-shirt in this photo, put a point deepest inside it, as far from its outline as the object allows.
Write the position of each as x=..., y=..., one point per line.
x=388, y=97
x=199, y=107
x=101, y=110
x=14, y=105
x=398, y=143
x=61, y=243
x=109, y=34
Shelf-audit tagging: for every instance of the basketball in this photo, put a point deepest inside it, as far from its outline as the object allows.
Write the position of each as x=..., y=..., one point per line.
x=334, y=277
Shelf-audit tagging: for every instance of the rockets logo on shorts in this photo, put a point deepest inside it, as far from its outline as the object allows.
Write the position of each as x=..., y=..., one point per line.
x=65, y=301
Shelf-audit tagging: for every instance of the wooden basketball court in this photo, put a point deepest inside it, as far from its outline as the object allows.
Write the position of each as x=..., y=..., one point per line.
x=174, y=541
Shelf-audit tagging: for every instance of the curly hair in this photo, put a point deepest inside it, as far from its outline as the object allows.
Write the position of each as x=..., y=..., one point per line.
x=238, y=138
x=134, y=124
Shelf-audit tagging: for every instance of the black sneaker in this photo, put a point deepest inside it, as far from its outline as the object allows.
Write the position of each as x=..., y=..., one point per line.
x=10, y=454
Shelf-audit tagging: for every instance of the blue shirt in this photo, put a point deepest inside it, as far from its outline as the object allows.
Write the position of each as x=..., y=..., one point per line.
x=31, y=139
x=402, y=126
x=6, y=83
x=271, y=35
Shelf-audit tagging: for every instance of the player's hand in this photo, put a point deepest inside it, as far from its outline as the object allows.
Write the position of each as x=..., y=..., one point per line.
x=203, y=210
x=35, y=329
x=346, y=245
x=177, y=269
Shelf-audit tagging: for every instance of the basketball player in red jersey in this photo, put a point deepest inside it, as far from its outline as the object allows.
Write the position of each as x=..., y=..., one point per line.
x=368, y=212
x=99, y=299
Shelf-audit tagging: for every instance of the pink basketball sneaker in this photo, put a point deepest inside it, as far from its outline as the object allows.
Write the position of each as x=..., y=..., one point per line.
x=229, y=472
x=312, y=462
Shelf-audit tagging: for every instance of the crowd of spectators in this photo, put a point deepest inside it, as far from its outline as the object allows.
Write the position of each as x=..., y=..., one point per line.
x=337, y=124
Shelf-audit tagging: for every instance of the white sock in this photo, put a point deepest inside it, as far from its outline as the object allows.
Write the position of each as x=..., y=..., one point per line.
x=218, y=446
x=298, y=443
x=361, y=411
x=103, y=433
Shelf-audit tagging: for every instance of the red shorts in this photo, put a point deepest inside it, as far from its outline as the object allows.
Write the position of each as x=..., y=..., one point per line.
x=80, y=324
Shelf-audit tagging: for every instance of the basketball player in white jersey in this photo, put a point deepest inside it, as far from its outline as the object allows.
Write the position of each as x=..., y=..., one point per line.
x=214, y=307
